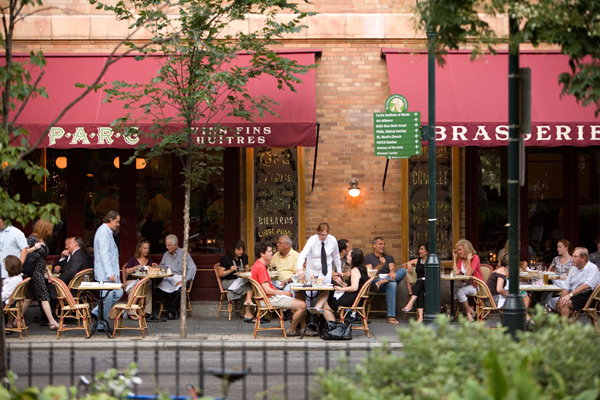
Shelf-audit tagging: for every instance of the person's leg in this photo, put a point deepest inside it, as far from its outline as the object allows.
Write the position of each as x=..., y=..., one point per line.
x=111, y=300
x=411, y=302
x=328, y=313
x=390, y=299
x=174, y=302
x=321, y=301
x=462, y=294
x=299, y=309
x=419, y=314
x=564, y=309
x=46, y=308
x=25, y=306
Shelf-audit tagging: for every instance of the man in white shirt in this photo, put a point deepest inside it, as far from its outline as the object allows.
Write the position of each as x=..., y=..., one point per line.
x=12, y=243
x=580, y=283
x=321, y=253
x=169, y=290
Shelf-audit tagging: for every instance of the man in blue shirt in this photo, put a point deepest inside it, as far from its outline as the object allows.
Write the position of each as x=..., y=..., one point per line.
x=106, y=260
x=12, y=243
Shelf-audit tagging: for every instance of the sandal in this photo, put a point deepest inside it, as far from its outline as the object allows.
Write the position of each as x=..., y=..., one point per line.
x=393, y=321
x=54, y=327
x=406, y=310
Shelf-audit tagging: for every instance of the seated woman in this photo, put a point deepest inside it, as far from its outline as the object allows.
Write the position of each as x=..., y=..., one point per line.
x=496, y=283
x=465, y=262
x=140, y=258
x=563, y=262
x=232, y=262
x=418, y=289
x=14, y=269
x=358, y=277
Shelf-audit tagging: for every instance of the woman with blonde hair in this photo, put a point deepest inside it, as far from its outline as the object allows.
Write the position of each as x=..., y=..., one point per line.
x=465, y=262
x=36, y=254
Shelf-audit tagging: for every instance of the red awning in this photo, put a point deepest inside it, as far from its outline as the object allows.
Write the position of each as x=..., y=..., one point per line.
x=472, y=99
x=87, y=124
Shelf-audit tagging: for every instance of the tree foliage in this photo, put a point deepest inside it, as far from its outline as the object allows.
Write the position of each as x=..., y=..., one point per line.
x=572, y=25
x=199, y=80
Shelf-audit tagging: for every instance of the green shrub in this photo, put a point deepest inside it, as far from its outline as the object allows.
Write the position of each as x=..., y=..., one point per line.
x=557, y=360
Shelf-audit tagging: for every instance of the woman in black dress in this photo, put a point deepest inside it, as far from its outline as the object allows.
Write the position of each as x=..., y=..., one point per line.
x=37, y=290
x=237, y=261
x=418, y=289
x=358, y=277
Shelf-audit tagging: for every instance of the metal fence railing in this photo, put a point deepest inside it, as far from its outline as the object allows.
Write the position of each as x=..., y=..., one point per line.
x=280, y=371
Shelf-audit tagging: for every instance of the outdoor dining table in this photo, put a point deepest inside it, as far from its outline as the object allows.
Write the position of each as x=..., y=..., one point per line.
x=248, y=274
x=98, y=287
x=298, y=287
x=538, y=288
x=452, y=278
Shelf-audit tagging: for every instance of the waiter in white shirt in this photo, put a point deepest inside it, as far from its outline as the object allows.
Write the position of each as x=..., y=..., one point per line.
x=321, y=252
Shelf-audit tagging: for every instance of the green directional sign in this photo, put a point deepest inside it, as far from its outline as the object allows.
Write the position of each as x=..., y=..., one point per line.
x=397, y=135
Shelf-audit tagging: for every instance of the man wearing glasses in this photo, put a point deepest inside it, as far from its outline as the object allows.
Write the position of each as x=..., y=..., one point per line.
x=321, y=253
x=285, y=260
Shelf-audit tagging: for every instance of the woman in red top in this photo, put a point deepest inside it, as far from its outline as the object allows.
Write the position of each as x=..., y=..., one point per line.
x=466, y=262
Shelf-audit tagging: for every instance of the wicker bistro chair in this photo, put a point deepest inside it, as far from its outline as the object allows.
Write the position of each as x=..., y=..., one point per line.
x=591, y=308
x=70, y=308
x=486, y=270
x=82, y=296
x=484, y=302
x=188, y=302
x=359, y=305
x=264, y=307
x=14, y=308
x=232, y=305
x=135, y=307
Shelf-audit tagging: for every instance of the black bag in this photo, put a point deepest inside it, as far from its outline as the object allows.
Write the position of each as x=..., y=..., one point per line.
x=30, y=262
x=336, y=331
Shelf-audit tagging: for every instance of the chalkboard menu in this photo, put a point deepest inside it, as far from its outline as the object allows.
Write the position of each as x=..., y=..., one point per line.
x=418, y=186
x=275, y=195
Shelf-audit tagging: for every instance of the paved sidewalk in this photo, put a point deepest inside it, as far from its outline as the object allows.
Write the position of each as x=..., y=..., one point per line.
x=202, y=329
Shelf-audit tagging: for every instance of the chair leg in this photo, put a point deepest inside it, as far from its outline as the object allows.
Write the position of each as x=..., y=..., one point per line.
x=189, y=305
x=220, y=305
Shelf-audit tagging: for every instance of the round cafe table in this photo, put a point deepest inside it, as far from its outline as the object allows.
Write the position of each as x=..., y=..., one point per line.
x=97, y=287
x=153, y=279
x=314, y=291
x=452, y=278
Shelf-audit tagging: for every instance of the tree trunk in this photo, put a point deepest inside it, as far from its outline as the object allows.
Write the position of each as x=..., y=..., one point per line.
x=186, y=237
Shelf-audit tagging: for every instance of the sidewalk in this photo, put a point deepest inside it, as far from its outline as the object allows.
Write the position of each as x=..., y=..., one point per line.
x=203, y=329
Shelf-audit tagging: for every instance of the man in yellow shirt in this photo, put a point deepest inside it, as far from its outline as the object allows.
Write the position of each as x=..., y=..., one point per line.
x=285, y=261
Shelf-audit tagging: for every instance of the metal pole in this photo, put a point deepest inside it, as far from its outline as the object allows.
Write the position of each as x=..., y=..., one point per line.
x=513, y=315
x=432, y=265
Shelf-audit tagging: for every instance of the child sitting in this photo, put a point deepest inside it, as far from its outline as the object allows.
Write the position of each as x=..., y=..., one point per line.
x=14, y=268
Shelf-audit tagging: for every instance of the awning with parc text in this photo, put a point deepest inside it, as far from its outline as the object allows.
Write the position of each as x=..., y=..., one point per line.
x=88, y=123
x=472, y=99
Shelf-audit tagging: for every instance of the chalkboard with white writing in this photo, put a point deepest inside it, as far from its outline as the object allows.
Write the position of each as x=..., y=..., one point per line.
x=418, y=185
x=275, y=195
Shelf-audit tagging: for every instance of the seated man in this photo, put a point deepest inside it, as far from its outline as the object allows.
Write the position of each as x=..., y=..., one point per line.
x=169, y=290
x=285, y=261
x=278, y=298
x=73, y=260
x=388, y=278
x=582, y=279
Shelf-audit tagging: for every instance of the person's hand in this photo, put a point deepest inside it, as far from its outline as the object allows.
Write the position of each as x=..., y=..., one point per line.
x=381, y=260
x=469, y=257
x=179, y=283
x=393, y=275
x=37, y=246
x=57, y=269
x=564, y=300
x=337, y=279
x=233, y=268
x=154, y=265
x=112, y=278
x=64, y=254
x=287, y=293
x=300, y=274
x=454, y=254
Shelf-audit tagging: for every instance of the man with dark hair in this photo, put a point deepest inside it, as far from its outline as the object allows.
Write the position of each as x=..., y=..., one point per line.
x=388, y=278
x=278, y=298
x=578, y=287
x=344, y=247
x=106, y=261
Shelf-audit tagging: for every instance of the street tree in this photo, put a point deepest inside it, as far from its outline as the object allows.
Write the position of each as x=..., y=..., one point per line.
x=571, y=25
x=200, y=79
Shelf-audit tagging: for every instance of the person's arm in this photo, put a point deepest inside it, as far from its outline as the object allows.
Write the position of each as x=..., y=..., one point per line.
x=269, y=291
x=500, y=286
x=354, y=281
x=392, y=267
x=411, y=265
x=472, y=264
x=335, y=254
x=102, y=257
x=302, y=257
x=223, y=272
